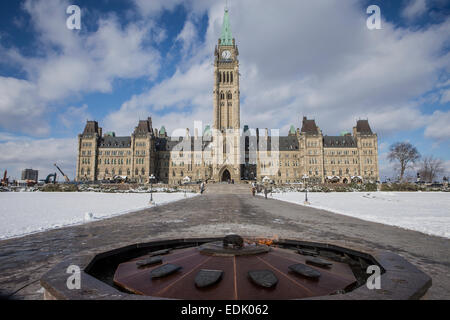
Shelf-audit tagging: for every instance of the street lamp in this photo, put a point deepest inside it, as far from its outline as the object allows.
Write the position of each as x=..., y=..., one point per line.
x=152, y=179
x=306, y=189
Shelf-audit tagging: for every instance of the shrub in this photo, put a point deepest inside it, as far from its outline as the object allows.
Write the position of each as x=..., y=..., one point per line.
x=399, y=187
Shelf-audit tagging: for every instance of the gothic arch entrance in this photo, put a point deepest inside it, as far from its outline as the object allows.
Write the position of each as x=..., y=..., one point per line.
x=226, y=176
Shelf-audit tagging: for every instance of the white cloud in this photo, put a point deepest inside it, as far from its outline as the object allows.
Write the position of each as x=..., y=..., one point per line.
x=181, y=90
x=187, y=36
x=155, y=7
x=20, y=153
x=414, y=9
x=74, y=116
x=20, y=106
x=316, y=59
x=438, y=126
x=71, y=63
x=445, y=96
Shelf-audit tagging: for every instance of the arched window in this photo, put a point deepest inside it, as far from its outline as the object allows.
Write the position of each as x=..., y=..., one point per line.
x=231, y=77
x=128, y=172
x=220, y=77
x=82, y=171
x=88, y=172
x=229, y=96
x=224, y=77
x=143, y=171
x=136, y=172
x=228, y=77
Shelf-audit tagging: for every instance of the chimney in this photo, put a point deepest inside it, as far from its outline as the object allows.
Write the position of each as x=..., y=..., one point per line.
x=187, y=133
x=267, y=133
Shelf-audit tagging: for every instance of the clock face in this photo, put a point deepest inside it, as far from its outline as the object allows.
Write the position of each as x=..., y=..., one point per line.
x=226, y=54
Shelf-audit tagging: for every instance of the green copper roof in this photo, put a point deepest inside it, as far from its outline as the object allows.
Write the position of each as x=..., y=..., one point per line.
x=162, y=131
x=227, y=38
x=292, y=130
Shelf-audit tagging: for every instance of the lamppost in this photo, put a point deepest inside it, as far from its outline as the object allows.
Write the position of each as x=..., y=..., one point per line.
x=306, y=189
x=152, y=178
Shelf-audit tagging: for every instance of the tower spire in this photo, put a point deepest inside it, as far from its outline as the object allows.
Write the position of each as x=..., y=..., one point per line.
x=227, y=38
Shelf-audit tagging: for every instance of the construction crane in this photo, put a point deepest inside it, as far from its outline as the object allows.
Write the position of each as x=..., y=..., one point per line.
x=63, y=174
x=5, y=179
x=50, y=178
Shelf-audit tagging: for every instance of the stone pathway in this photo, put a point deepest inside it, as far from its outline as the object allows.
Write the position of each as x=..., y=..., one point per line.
x=223, y=188
x=228, y=209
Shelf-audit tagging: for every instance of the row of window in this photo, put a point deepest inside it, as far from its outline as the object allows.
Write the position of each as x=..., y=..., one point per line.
x=225, y=77
x=114, y=161
x=295, y=163
x=181, y=174
x=182, y=164
x=120, y=172
x=85, y=171
x=114, y=153
x=339, y=161
x=367, y=144
x=313, y=144
x=340, y=152
x=315, y=172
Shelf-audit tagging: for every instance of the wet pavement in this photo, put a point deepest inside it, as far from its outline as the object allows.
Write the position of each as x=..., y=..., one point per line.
x=222, y=210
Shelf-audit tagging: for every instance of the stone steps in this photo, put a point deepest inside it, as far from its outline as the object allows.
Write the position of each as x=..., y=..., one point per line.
x=218, y=188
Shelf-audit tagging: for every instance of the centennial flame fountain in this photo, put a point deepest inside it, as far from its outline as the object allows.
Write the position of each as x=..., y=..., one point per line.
x=234, y=268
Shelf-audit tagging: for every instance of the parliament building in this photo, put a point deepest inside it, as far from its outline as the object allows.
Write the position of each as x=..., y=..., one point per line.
x=227, y=151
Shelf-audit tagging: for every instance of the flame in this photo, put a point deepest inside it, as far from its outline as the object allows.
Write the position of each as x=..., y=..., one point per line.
x=267, y=241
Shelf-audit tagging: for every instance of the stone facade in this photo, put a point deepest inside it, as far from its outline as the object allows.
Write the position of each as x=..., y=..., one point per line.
x=228, y=152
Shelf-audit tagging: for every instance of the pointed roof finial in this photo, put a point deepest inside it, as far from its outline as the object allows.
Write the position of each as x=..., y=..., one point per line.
x=227, y=38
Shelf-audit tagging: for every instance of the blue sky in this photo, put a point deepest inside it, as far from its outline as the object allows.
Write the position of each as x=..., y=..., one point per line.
x=139, y=58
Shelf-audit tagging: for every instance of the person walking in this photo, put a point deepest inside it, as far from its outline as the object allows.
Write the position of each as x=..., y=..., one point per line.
x=202, y=187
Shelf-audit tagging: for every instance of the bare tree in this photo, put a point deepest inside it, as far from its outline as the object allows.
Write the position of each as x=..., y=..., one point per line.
x=405, y=154
x=431, y=168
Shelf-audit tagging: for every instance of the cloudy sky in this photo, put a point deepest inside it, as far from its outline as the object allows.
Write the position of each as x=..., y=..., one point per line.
x=138, y=58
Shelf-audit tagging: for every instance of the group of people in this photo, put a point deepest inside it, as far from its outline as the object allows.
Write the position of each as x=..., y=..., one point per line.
x=266, y=189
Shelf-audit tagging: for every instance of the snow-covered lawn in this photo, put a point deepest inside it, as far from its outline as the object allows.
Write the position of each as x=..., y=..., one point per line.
x=427, y=212
x=28, y=212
